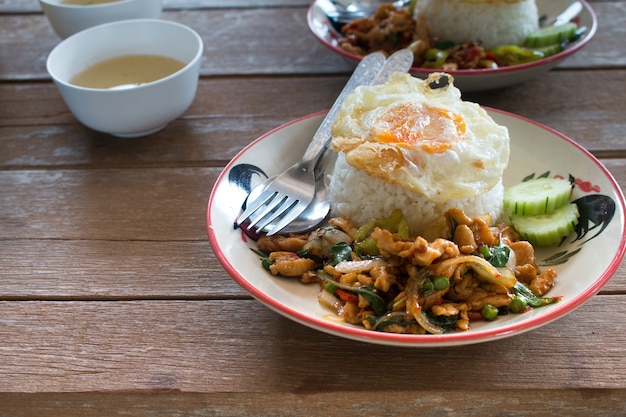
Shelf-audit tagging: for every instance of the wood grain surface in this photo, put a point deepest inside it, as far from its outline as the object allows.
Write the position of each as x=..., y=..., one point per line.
x=112, y=301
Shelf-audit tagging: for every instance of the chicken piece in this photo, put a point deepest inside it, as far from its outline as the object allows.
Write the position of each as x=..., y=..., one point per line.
x=288, y=264
x=446, y=309
x=462, y=289
x=345, y=224
x=524, y=252
x=494, y=288
x=458, y=216
x=428, y=301
x=464, y=239
x=525, y=273
x=288, y=243
x=543, y=282
x=483, y=235
x=480, y=298
x=482, y=231
x=389, y=245
x=351, y=313
x=383, y=278
x=425, y=253
x=463, y=323
x=506, y=233
x=365, y=279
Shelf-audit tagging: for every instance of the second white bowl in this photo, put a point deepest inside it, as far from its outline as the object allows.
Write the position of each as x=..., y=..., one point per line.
x=67, y=19
x=139, y=110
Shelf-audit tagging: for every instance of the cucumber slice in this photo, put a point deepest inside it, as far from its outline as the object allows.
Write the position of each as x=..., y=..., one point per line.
x=537, y=196
x=551, y=35
x=549, y=50
x=547, y=229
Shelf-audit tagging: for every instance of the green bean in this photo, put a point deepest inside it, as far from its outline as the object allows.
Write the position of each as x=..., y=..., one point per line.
x=441, y=283
x=484, y=251
x=427, y=286
x=517, y=305
x=489, y=312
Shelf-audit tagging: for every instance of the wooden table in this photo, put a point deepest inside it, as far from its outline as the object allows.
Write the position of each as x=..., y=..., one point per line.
x=112, y=300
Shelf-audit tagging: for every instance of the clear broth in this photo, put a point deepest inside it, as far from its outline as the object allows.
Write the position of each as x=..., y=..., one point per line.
x=129, y=69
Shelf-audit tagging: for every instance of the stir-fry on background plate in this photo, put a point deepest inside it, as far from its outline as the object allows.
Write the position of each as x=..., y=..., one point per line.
x=584, y=262
x=479, y=79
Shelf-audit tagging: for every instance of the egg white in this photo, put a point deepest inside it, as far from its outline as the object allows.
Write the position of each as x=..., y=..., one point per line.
x=425, y=139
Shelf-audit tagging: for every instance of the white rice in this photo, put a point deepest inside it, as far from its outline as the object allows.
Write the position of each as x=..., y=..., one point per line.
x=494, y=22
x=356, y=195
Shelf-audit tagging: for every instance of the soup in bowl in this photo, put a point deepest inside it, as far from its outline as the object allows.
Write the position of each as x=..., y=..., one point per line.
x=128, y=78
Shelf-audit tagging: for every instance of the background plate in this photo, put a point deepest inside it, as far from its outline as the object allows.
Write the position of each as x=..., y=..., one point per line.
x=483, y=79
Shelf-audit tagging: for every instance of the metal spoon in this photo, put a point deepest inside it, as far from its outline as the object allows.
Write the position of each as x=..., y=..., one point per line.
x=338, y=13
x=318, y=210
x=565, y=16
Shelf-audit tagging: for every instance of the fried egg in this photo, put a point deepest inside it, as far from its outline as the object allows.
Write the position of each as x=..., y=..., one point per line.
x=421, y=135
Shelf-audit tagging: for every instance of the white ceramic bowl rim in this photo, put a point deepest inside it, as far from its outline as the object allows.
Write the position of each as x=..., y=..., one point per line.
x=60, y=4
x=88, y=31
x=486, y=71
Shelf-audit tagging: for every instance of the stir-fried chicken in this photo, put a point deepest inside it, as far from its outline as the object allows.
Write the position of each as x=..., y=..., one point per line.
x=401, y=284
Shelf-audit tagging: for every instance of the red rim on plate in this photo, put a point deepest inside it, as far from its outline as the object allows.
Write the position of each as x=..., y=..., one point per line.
x=235, y=254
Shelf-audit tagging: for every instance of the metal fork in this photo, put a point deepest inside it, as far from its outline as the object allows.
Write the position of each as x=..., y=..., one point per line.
x=275, y=201
x=272, y=203
x=290, y=192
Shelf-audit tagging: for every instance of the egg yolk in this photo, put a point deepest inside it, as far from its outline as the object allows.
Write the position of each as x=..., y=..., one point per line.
x=410, y=125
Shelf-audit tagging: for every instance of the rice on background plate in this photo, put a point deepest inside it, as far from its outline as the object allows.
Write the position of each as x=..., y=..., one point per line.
x=493, y=22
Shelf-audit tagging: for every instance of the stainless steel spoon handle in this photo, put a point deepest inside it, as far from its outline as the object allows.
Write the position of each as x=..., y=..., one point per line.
x=364, y=74
x=399, y=61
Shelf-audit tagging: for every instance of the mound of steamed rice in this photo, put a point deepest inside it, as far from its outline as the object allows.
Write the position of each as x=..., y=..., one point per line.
x=356, y=195
x=493, y=22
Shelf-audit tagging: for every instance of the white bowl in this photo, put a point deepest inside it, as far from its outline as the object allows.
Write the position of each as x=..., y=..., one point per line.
x=139, y=110
x=476, y=79
x=67, y=19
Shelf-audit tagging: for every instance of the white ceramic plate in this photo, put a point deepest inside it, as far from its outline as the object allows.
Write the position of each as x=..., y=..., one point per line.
x=482, y=79
x=583, y=264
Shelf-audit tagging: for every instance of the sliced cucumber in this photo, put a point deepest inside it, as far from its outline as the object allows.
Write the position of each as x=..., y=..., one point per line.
x=549, y=50
x=547, y=229
x=550, y=35
x=537, y=196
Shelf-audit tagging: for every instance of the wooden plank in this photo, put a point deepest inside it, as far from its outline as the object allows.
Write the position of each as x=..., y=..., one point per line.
x=20, y=6
x=160, y=204
x=449, y=402
x=103, y=204
x=263, y=46
x=128, y=270
x=113, y=270
x=240, y=346
x=37, y=129
x=604, y=50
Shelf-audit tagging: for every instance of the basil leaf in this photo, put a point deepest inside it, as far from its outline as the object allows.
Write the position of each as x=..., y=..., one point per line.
x=375, y=301
x=340, y=251
x=500, y=255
